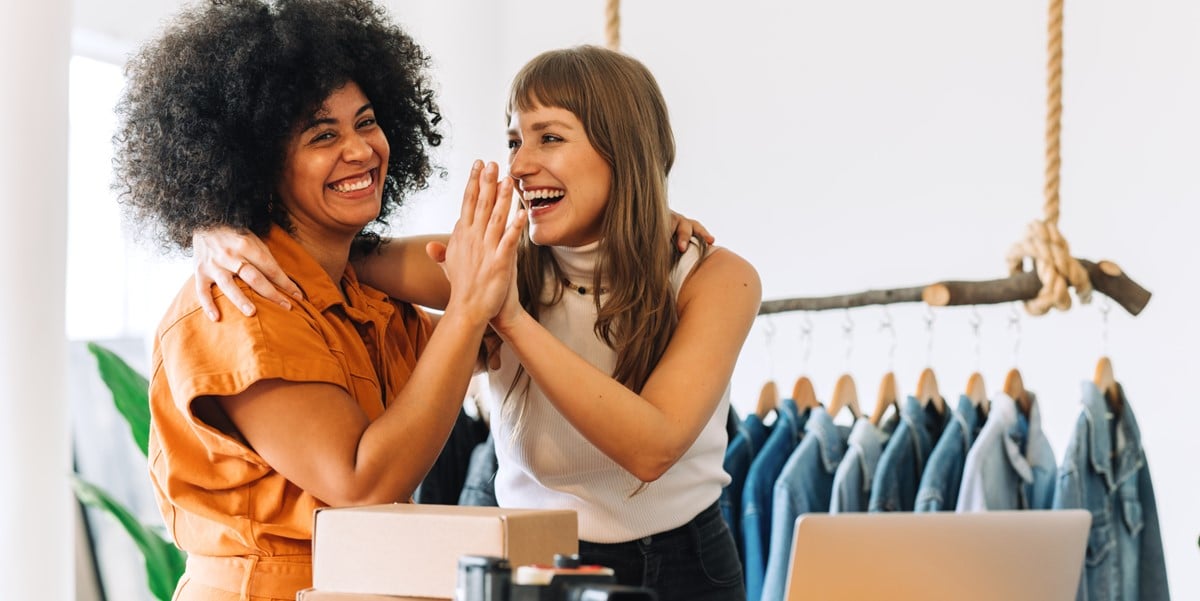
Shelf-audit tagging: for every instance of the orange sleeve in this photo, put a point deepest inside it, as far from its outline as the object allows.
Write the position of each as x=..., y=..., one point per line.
x=203, y=358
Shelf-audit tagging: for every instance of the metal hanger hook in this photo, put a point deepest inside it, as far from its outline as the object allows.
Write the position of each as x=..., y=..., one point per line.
x=1105, y=307
x=929, y=317
x=769, y=339
x=975, y=321
x=806, y=338
x=1014, y=325
x=886, y=324
x=848, y=336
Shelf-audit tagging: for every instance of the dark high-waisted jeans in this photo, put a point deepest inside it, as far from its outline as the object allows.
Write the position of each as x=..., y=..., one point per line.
x=697, y=561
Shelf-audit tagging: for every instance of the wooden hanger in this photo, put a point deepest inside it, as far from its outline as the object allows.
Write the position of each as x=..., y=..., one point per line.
x=1107, y=383
x=927, y=390
x=1014, y=387
x=845, y=396
x=887, y=398
x=804, y=395
x=977, y=392
x=768, y=399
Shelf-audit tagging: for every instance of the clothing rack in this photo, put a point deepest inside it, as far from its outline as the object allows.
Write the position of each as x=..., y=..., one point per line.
x=1106, y=278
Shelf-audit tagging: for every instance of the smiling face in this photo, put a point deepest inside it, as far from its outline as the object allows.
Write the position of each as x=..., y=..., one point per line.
x=563, y=181
x=332, y=179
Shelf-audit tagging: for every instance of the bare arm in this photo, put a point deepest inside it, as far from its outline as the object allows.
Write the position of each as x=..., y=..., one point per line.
x=401, y=268
x=316, y=435
x=647, y=433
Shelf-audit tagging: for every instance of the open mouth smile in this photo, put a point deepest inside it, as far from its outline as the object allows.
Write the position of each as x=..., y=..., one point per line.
x=542, y=198
x=355, y=183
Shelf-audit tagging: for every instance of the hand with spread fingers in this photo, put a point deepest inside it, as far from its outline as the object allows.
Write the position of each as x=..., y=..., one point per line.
x=479, y=260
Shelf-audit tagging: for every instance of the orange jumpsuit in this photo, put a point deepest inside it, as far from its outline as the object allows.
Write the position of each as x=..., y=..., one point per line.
x=247, y=529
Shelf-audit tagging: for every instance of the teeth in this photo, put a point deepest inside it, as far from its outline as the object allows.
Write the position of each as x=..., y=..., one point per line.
x=353, y=185
x=533, y=195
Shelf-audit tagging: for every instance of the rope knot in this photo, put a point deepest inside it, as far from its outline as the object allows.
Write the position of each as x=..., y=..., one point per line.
x=1054, y=265
x=1052, y=260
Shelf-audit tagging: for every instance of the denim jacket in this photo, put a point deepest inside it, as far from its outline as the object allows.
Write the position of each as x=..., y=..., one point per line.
x=1011, y=464
x=805, y=485
x=944, y=470
x=739, y=455
x=760, y=485
x=852, y=481
x=1105, y=472
x=480, y=487
x=894, y=487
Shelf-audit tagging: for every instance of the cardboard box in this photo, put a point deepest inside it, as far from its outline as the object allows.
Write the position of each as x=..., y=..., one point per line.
x=405, y=549
x=312, y=594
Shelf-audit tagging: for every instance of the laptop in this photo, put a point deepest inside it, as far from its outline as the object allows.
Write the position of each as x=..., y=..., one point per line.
x=985, y=556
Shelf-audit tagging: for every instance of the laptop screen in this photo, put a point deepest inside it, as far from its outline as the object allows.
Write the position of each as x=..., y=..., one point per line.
x=986, y=556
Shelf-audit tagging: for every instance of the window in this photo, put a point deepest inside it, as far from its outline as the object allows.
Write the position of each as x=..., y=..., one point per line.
x=117, y=287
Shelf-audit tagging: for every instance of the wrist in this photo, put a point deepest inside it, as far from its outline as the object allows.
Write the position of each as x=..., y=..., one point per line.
x=465, y=315
x=504, y=325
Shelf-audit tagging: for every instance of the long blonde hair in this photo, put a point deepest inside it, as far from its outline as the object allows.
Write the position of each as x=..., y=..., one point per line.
x=625, y=117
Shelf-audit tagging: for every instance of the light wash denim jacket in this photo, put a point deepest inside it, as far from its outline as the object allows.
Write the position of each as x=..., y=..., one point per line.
x=852, y=481
x=751, y=435
x=1105, y=472
x=1011, y=464
x=944, y=470
x=760, y=485
x=805, y=485
x=899, y=471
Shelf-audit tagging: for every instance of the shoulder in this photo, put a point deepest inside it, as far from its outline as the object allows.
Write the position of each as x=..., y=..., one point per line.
x=199, y=357
x=187, y=334
x=727, y=277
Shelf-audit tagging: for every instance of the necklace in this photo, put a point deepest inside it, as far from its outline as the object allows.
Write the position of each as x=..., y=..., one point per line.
x=580, y=289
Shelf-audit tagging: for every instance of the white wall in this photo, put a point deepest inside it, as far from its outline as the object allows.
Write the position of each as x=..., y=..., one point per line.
x=871, y=144
x=36, y=515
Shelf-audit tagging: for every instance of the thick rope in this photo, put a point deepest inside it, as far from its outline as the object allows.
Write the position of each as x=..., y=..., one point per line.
x=612, y=24
x=1055, y=266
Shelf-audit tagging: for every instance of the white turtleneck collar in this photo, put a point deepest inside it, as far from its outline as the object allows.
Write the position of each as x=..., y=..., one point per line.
x=578, y=263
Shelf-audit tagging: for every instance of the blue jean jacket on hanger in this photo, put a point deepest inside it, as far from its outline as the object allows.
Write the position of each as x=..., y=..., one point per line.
x=943, y=473
x=895, y=485
x=1105, y=472
x=805, y=485
x=751, y=435
x=852, y=481
x=760, y=486
x=1011, y=464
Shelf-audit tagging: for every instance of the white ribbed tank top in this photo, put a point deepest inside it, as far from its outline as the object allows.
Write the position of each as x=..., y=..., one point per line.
x=548, y=464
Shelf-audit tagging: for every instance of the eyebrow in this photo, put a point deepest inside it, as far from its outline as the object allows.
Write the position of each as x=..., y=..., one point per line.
x=544, y=125
x=330, y=121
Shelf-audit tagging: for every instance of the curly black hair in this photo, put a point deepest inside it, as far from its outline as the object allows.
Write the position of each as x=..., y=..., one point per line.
x=209, y=107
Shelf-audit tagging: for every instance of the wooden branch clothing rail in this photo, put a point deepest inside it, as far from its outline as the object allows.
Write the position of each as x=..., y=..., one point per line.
x=1106, y=277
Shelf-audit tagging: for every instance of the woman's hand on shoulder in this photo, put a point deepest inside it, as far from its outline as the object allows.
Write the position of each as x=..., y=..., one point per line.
x=222, y=253
x=686, y=228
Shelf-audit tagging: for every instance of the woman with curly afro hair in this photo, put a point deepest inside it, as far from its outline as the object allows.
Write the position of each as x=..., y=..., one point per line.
x=305, y=122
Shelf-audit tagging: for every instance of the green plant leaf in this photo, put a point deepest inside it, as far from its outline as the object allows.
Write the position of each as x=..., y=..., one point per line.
x=130, y=390
x=164, y=561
